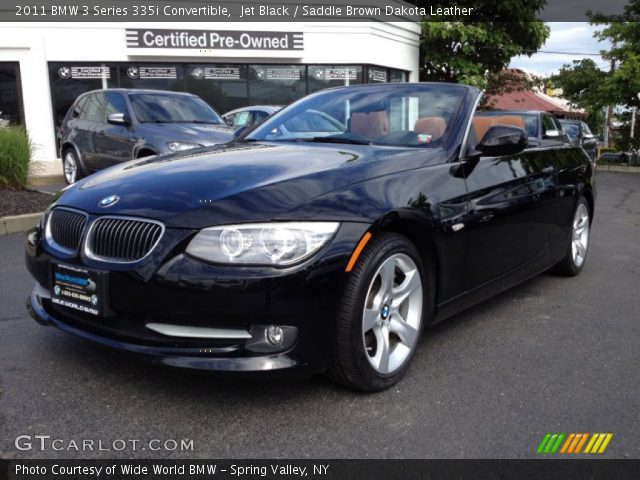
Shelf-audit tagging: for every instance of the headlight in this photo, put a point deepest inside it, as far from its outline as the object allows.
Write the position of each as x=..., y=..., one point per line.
x=177, y=146
x=279, y=244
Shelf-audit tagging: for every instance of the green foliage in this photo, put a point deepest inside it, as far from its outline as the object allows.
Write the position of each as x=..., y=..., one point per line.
x=589, y=88
x=606, y=150
x=15, y=154
x=467, y=51
x=582, y=84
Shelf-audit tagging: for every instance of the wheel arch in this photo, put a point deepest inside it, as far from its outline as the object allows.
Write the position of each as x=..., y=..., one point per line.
x=69, y=145
x=423, y=239
x=588, y=195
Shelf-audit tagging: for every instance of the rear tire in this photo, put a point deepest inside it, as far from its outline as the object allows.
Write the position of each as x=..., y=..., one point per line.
x=578, y=245
x=381, y=317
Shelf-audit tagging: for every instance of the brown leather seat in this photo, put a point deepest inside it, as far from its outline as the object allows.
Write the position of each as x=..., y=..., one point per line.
x=513, y=120
x=369, y=124
x=434, y=126
x=482, y=124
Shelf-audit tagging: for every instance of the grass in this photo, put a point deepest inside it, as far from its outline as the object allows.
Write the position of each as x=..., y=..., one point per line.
x=15, y=155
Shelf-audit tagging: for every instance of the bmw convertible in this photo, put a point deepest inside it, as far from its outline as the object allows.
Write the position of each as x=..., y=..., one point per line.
x=323, y=240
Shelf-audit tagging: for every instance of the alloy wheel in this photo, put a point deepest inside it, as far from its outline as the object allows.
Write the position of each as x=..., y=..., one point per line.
x=70, y=167
x=580, y=239
x=392, y=313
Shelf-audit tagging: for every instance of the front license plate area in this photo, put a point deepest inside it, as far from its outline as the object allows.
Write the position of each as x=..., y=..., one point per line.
x=79, y=288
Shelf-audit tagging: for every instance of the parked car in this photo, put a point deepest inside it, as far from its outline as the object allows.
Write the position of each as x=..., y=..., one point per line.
x=580, y=134
x=543, y=128
x=107, y=127
x=283, y=253
x=629, y=158
x=249, y=116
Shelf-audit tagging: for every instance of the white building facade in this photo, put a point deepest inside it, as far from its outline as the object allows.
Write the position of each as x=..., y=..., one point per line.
x=44, y=67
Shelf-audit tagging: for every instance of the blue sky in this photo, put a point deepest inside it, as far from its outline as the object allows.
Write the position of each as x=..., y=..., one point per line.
x=572, y=37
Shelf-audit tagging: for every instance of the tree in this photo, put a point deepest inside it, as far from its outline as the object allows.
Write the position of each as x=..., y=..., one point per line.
x=468, y=50
x=583, y=84
x=619, y=88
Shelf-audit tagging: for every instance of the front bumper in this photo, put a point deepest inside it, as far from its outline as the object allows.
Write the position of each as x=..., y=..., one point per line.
x=195, y=295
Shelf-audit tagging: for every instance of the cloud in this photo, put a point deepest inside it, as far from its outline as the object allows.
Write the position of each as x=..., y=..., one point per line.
x=574, y=38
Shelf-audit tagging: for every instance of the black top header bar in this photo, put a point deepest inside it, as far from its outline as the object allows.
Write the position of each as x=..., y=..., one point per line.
x=286, y=10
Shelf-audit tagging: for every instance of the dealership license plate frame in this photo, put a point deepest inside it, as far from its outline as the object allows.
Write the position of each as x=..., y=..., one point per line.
x=76, y=289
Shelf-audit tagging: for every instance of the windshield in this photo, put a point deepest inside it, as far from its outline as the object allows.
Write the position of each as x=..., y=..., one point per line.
x=166, y=108
x=399, y=115
x=571, y=129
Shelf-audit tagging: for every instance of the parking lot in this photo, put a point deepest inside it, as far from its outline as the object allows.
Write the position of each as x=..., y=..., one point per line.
x=552, y=355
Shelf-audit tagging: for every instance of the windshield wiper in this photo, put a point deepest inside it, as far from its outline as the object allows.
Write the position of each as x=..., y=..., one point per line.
x=198, y=121
x=339, y=139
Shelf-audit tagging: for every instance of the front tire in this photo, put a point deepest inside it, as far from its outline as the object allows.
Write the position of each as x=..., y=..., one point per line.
x=576, y=253
x=381, y=316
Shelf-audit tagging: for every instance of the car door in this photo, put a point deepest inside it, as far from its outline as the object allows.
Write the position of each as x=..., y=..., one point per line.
x=93, y=123
x=114, y=142
x=509, y=201
x=80, y=128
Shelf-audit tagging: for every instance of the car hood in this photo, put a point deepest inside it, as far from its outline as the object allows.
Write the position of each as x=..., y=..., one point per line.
x=239, y=182
x=202, y=133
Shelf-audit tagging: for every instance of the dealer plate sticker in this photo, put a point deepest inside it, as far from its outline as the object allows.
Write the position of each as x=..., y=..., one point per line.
x=76, y=288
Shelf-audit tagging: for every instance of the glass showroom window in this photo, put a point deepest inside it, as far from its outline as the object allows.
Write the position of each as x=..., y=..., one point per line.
x=276, y=84
x=397, y=76
x=69, y=80
x=153, y=76
x=377, y=75
x=224, y=87
x=11, y=111
x=325, y=76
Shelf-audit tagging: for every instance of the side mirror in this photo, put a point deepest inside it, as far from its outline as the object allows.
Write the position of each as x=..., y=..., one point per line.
x=240, y=131
x=117, y=119
x=551, y=134
x=502, y=140
x=228, y=121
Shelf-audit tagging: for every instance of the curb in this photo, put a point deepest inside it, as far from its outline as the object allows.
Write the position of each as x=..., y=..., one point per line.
x=39, y=180
x=18, y=223
x=617, y=168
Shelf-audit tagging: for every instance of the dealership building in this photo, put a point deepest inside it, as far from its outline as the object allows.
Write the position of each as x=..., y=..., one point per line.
x=45, y=66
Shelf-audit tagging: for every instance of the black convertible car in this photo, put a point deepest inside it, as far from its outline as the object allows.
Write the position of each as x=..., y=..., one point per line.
x=307, y=247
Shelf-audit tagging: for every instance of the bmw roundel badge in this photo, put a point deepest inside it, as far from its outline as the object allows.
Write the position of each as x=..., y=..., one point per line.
x=109, y=201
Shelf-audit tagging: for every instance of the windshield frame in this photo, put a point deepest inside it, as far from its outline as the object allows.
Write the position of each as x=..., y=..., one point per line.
x=261, y=131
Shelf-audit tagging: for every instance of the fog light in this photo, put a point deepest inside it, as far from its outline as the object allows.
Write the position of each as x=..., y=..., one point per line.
x=274, y=335
x=271, y=338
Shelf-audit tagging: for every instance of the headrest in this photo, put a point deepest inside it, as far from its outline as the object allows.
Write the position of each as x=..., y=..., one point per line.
x=434, y=126
x=371, y=125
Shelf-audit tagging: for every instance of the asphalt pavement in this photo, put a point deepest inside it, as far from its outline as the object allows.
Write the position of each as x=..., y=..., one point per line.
x=551, y=355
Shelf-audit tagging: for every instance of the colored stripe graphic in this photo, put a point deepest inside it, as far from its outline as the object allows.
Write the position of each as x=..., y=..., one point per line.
x=573, y=443
x=598, y=443
x=551, y=442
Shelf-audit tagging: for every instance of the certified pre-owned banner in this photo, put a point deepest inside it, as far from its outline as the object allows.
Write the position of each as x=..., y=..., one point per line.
x=222, y=40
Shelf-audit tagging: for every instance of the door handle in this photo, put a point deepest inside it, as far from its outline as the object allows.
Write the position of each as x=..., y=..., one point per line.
x=486, y=217
x=548, y=169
